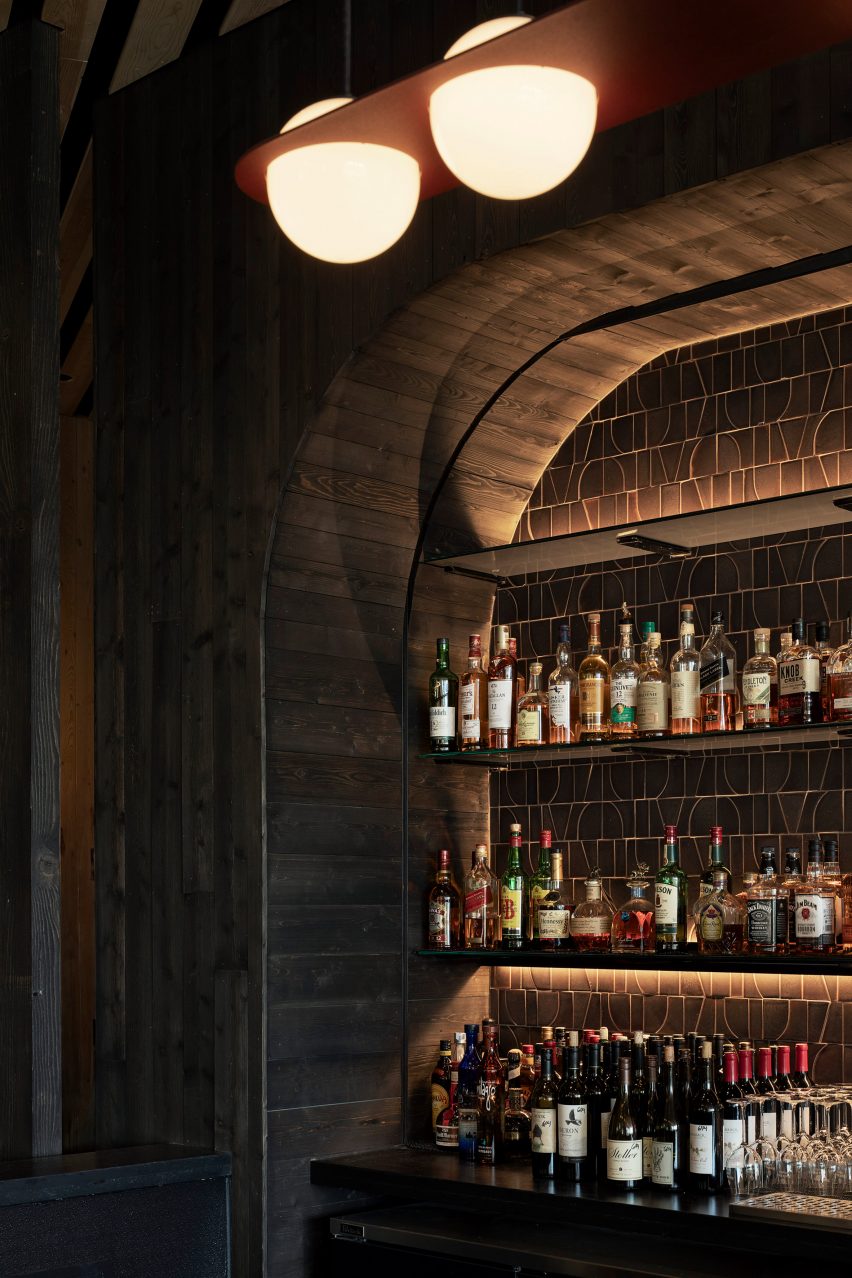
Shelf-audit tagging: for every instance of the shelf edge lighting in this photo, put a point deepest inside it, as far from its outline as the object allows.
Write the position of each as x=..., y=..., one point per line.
x=515, y=131
x=342, y=201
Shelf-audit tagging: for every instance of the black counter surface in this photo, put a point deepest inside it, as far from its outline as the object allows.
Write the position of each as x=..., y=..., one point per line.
x=35, y=1180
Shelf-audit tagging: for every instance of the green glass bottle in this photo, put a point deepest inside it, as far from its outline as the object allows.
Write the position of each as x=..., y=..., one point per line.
x=443, y=703
x=670, y=889
x=539, y=885
x=513, y=895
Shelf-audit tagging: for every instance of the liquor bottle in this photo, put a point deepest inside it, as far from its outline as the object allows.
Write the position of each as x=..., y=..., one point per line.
x=706, y=1169
x=473, y=699
x=792, y=882
x=443, y=700
x=447, y=1127
x=481, y=904
x=670, y=889
x=574, y=1159
x=767, y=906
x=562, y=694
x=801, y=1077
x=591, y=921
x=749, y=880
x=538, y=885
x=502, y=692
x=467, y=1096
x=840, y=679
x=513, y=1068
x=593, y=681
x=745, y=1063
x=799, y=679
x=624, y=683
x=685, y=687
x=652, y=708
x=598, y=1109
x=528, y=1078
x=633, y=925
x=715, y=872
x=520, y=681
x=516, y=1128
x=760, y=685
x=444, y=908
x=513, y=895
x=785, y=639
x=667, y=1161
x=492, y=1098
x=624, y=1140
x=718, y=679
x=647, y=628
x=440, y=1084
x=825, y=652
x=554, y=911
x=543, y=1120
x=532, y=726
x=814, y=907
x=833, y=880
x=730, y=1096
x=720, y=923
x=548, y=1043
x=770, y=1107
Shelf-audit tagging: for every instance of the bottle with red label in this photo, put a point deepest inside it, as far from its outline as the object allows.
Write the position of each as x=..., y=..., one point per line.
x=513, y=895
x=481, y=904
x=444, y=908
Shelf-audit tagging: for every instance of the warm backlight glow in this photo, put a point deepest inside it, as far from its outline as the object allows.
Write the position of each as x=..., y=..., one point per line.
x=487, y=31
x=342, y=201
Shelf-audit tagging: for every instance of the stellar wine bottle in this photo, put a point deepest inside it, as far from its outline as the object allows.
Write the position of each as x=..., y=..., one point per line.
x=706, y=1171
x=624, y=1140
x=667, y=1161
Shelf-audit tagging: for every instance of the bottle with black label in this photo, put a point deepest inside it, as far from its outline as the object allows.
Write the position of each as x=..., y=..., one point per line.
x=767, y=904
x=718, y=679
x=792, y=881
x=799, y=681
x=706, y=1170
x=575, y=1159
x=543, y=1120
x=624, y=1140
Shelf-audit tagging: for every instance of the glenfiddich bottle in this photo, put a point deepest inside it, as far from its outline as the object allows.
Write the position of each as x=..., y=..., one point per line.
x=502, y=689
x=800, y=681
x=473, y=699
x=718, y=679
x=670, y=889
x=444, y=908
x=443, y=700
x=513, y=895
x=760, y=685
x=562, y=693
x=593, y=677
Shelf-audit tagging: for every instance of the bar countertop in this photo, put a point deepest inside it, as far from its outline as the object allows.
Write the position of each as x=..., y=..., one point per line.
x=106, y=1171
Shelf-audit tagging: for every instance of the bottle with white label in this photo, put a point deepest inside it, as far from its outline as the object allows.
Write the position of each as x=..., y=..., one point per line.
x=799, y=681
x=840, y=680
x=593, y=680
x=624, y=1140
x=760, y=685
x=770, y=1106
x=473, y=699
x=532, y=727
x=502, y=684
x=543, y=1119
x=670, y=889
x=684, y=669
x=575, y=1159
x=443, y=703
x=734, y=1131
x=562, y=696
x=624, y=682
x=706, y=1169
x=814, y=907
x=652, y=710
x=667, y=1160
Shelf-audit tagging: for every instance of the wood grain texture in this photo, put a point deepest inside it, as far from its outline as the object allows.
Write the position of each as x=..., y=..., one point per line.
x=156, y=37
x=78, y=21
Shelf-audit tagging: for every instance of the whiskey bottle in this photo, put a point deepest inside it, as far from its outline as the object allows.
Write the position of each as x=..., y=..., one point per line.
x=543, y=1120
x=814, y=907
x=647, y=628
x=443, y=700
x=554, y=911
x=799, y=679
x=502, y=672
x=824, y=651
x=562, y=696
x=670, y=890
x=593, y=679
x=492, y=1095
x=706, y=1170
x=539, y=885
x=840, y=679
x=516, y=1128
x=719, y=915
x=716, y=872
x=591, y=921
x=653, y=697
x=473, y=699
x=533, y=715
x=624, y=683
x=481, y=904
x=718, y=679
x=760, y=685
x=785, y=639
x=833, y=880
x=513, y=895
x=447, y=1125
x=792, y=882
x=444, y=908
x=766, y=909
x=684, y=669
x=520, y=681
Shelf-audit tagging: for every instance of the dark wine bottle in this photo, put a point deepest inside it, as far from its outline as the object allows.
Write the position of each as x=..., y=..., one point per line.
x=706, y=1173
x=745, y=1058
x=667, y=1160
x=649, y=1121
x=624, y=1141
x=684, y=1084
x=801, y=1077
x=639, y=1081
x=543, y=1119
x=782, y=1078
x=733, y=1125
x=575, y=1158
x=770, y=1106
x=597, y=1103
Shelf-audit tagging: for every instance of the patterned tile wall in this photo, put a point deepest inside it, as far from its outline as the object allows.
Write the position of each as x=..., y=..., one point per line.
x=753, y=415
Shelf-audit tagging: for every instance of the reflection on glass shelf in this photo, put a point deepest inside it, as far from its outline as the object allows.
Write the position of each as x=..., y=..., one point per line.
x=785, y=738
x=691, y=961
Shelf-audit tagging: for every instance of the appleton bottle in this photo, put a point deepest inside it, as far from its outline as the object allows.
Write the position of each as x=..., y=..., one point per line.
x=624, y=682
x=593, y=680
x=562, y=696
x=481, y=904
x=760, y=685
x=670, y=889
x=444, y=908
x=538, y=885
x=533, y=714
x=574, y=1157
x=799, y=681
x=441, y=1076
x=652, y=712
x=443, y=701
x=554, y=911
x=513, y=895
x=718, y=679
x=667, y=1160
x=473, y=699
x=685, y=689
x=502, y=692
x=624, y=1140
x=492, y=1098
x=543, y=1120
x=706, y=1170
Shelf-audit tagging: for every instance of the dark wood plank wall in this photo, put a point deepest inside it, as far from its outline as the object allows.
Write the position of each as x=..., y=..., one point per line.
x=30, y=1048
x=215, y=345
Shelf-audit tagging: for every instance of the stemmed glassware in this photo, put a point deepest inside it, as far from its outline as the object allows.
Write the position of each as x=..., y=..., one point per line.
x=812, y=1153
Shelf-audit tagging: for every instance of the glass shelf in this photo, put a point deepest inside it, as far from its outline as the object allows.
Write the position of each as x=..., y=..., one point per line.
x=691, y=961
x=677, y=535
x=817, y=734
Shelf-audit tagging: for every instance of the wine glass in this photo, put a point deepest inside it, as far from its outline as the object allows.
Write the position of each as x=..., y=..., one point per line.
x=744, y=1172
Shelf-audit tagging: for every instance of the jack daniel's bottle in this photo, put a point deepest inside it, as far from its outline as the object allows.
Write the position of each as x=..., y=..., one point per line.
x=718, y=679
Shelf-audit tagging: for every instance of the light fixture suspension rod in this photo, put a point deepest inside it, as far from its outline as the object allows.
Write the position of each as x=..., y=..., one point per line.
x=347, y=48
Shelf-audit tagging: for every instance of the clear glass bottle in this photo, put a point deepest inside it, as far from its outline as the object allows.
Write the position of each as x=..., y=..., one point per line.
x=520, y=681
x=720, y=923
x=792, y=882
x=785, y=639
x=760, y=685
x=767, y=904
x=718, y=679
x=840, y=680
x=716, y=871
x=624, y=682
x=652, y=714
x=513, y=895
x=532, y=727
x=684, y=669
x=443, y=702
x=538, y=884
x=562, y=695
x=647, y=628
x=516, y=1129
x=670, y=905
x=473, y=699
x=593, y=681
x=822, y=644
x=749, y=880
x=799, y=679
x=481, y=904
x=814, y=907
x=634, y=928
x=502, y=682
x=554, y=910
x=833, y=879
x=591, y=922
x=444, y=908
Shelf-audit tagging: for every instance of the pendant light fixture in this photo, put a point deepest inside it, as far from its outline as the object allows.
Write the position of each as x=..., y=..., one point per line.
x=511, y=131
x=342, y=201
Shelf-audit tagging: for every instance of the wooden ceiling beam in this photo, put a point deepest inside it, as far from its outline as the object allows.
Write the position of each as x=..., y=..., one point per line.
x=157, y=36
x=75, y=236
x=243, y=11
x=79, y=21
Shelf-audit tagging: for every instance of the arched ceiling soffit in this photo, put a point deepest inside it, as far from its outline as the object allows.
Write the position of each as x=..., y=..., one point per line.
x=409, y=396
